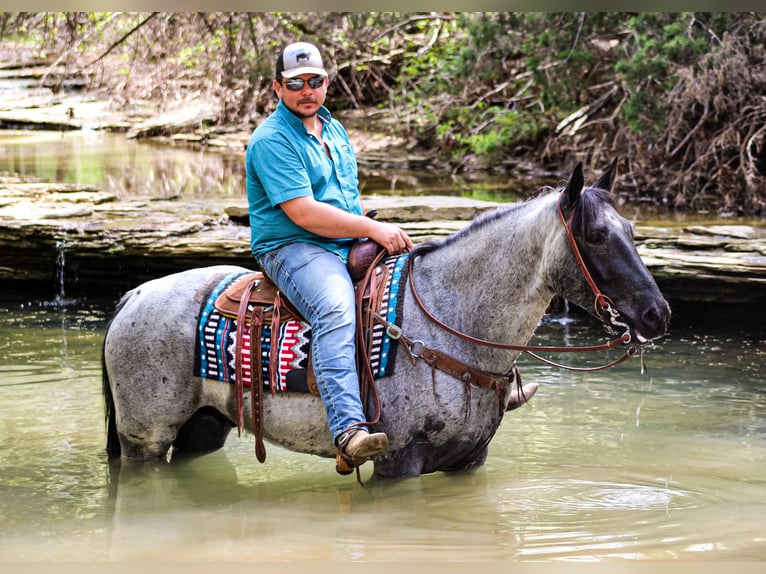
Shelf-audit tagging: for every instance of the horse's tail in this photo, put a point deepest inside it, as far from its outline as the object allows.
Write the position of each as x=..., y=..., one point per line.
x=113, y=448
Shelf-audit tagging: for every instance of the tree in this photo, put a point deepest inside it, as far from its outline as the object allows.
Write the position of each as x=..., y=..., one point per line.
x=673, y=93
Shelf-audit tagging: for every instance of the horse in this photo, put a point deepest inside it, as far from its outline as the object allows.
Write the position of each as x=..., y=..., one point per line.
x=474, y=299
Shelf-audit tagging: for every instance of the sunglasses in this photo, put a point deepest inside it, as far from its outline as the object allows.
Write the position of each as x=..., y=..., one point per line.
x=296, y=84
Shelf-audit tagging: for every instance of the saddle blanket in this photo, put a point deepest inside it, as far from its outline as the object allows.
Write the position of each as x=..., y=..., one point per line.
x=217, y=334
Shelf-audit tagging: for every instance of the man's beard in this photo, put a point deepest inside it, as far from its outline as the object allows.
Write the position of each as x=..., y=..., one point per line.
x=301, y=114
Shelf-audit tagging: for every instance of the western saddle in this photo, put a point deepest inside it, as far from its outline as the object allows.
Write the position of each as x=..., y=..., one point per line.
x=254, y=301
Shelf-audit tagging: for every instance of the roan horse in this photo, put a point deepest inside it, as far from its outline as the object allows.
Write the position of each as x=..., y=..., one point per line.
x=491, y=282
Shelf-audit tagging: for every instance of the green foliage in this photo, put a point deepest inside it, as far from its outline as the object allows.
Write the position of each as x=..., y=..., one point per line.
x=656, y=46
x=512, y=128
x=501, y=80
x=490, y=84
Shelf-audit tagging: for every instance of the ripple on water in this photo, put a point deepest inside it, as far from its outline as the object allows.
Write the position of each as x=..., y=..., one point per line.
x=577, y=495
x=591, y=520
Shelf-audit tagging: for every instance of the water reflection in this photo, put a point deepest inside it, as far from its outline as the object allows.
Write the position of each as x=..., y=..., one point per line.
x=601, y=466
x=131, y=168
x=125, y=168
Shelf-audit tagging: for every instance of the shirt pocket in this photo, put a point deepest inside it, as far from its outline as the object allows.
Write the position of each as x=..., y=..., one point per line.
x=347, y=165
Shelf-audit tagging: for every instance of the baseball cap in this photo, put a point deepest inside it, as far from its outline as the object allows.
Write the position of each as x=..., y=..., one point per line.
x=300, y=58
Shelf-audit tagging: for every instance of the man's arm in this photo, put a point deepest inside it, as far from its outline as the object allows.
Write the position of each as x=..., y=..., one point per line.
x=332, y=222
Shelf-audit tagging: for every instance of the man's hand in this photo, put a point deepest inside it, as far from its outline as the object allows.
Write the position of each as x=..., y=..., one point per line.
x=393, y=238
x=329, y=221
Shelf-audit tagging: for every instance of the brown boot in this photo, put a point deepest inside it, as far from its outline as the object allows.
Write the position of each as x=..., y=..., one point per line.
x=357, y=445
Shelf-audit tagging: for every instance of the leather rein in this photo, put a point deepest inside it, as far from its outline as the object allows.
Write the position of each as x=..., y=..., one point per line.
x=604, y=308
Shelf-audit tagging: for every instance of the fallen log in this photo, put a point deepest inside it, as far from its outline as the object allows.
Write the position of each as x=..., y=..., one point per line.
x=186, y=119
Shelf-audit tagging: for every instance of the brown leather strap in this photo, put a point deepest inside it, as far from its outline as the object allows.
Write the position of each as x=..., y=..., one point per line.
x=625, y=338
x=256, y=377
x=256, y=382
x=365, y=318
x=238, y=370
x=455, y=367
x=274, y=352
x=369, y=299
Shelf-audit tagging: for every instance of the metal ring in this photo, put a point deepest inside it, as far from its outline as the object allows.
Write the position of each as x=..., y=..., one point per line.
x=394, y=331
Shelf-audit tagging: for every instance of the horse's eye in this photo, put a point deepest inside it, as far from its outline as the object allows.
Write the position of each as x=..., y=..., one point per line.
x=596, y=236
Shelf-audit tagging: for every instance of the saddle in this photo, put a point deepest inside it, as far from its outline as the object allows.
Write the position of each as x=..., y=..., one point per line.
x=254, y=300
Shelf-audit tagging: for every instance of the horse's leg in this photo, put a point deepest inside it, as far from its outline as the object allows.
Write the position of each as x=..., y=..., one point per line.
x=148, y=354
x=474, y=463
x=143, y=443
x=205, y=432
x=407, y=462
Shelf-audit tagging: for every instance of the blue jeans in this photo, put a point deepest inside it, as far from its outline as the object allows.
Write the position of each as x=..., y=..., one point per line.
x=317, y=283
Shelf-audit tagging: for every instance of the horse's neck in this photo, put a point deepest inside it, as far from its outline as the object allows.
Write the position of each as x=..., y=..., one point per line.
x=492, y=282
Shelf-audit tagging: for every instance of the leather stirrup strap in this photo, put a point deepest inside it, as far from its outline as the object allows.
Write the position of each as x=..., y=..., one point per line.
x=364, y=368
x=238, y=369
x=362, y=354
x=256, y=382
x=274, y=352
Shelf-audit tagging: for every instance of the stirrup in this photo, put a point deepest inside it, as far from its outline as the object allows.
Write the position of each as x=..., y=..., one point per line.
x=342, y=466
x=345, y=462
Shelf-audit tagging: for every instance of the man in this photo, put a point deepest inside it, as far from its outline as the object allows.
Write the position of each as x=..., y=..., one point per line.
x=305, y=214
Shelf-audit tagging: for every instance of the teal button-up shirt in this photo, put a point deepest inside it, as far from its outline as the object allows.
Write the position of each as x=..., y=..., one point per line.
x=284, y=161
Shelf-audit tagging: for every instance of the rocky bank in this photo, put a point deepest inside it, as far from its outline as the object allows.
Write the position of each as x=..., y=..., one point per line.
x=84, y=239
x=80, y=238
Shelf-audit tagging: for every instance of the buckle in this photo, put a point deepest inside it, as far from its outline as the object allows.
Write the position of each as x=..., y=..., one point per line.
x=416, y=348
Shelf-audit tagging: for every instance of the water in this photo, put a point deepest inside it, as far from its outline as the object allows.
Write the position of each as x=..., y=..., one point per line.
x=125, y=168
x=666, y=464
x=610, y=465
x=130, y=168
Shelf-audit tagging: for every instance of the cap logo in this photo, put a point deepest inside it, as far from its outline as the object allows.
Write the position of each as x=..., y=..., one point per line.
x=303, y=58
x=300, y=58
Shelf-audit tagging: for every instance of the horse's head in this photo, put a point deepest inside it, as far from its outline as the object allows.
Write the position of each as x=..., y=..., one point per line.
x=611, y=271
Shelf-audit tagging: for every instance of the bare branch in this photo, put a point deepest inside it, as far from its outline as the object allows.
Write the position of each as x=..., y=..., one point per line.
x=122, y=39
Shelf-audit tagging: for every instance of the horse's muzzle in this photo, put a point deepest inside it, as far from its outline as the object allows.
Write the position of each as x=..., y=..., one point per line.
x=653, y=323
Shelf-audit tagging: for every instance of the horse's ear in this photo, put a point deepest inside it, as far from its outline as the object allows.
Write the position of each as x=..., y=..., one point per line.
x=606, y=181
x=574, y=187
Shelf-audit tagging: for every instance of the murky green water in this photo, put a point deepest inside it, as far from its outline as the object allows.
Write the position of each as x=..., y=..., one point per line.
x=129, y=168
x=612, y=465
x=126, y=168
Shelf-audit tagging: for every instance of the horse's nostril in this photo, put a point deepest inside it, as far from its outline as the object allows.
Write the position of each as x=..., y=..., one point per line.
x=657, y=318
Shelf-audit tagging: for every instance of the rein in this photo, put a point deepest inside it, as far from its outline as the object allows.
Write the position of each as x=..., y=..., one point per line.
x=602, y=304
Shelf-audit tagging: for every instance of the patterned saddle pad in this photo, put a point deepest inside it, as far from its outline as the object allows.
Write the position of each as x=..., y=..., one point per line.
x=216, y=339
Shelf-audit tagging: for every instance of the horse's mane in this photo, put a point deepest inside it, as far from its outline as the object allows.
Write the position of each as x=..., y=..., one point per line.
x=585, y=212
x=478, y=222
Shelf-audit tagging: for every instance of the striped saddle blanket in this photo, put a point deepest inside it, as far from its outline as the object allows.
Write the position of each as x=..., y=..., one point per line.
x=216, y=339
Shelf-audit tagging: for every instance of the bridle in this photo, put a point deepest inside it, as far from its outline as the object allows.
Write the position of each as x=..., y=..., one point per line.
x=603, y=305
